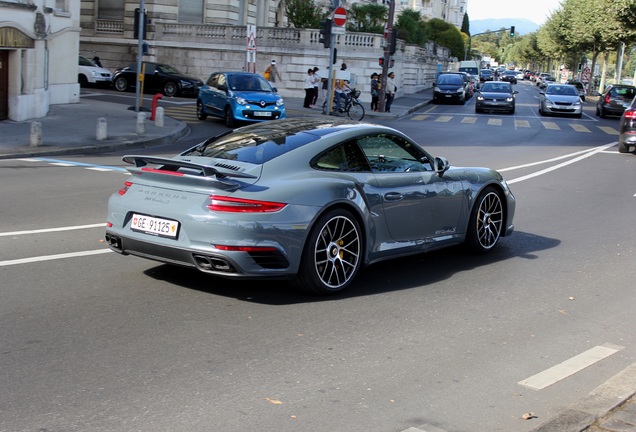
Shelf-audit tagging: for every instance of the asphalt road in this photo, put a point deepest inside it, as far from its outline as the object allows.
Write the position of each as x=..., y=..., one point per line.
x=446, y=341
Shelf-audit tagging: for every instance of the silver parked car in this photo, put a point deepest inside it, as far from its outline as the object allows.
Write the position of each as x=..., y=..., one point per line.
x=560, y=99
x=309, y=199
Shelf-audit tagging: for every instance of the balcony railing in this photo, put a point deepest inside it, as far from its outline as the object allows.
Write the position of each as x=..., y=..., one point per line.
x=104, y=26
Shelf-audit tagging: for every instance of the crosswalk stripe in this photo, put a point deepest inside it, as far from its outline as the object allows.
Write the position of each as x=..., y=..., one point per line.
x=579, y=128
x=522, y=124
x=495, y=122
x=420, y=117
x=608, y=130
x=550, y=125
x=444, y=119
x=470, y=120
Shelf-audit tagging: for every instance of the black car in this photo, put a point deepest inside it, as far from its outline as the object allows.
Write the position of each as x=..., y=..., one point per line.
x=496, y=96
x=509, y=76
x=157, y=78
x=615, y=99
x=451, y=87
x=627, y=129
x=486, y=75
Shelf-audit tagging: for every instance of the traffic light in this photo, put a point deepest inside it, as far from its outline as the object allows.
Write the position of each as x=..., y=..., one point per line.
x=325, y=33
x=392, y=41
x=381, y=61
x=512, y=31
x=136, y=26
x=580, y=67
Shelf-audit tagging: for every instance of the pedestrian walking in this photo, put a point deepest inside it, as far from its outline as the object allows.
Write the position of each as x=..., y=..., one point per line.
x=317, y=85
x=375, y=91
x=391, y=88
x=271, y=73
x=309, y=88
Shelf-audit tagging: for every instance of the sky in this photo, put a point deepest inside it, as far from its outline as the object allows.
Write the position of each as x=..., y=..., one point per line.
x=536, y=11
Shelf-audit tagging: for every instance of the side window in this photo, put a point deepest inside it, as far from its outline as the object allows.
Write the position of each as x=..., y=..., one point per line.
x=345, y=157
x=390, y=153
x=150, y=68
x=221, y=82
x=211, y=82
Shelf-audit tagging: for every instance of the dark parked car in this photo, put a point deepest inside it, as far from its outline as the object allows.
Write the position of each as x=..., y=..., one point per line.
x=157, y=78
x=509, y=76
x=313, y=200
x=560, y=99
x=451, y=87
x=239, y=96
x=627, y=129
x=496, y=96
x=615, y=99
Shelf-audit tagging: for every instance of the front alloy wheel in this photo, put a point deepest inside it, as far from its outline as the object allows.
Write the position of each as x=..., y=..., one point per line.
x=121, y=84
x=486, y=221
x=201, y=115
x=332, y=255
x=170, y=89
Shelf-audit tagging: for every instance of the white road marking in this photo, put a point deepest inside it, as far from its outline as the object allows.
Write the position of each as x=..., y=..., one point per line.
x=46, y=230
x=569, y=367
x=585, y=155
x=53, y=257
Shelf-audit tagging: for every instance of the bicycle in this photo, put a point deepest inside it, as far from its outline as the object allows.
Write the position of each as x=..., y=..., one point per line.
x=353, y=108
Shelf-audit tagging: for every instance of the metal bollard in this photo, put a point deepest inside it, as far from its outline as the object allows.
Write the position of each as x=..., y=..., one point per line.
x=159, y=117
x=141, y=123
x=102, y=129
x=35, y=139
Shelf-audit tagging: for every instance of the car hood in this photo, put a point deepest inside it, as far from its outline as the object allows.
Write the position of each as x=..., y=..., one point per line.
x=495, y=95
x=257, y=95
x=563, y=98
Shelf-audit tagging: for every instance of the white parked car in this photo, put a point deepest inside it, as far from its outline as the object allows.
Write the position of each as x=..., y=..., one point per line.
x=89, y=73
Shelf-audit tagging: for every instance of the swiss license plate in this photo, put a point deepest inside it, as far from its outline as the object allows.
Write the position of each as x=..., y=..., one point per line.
x=154, y=225
x=262, y=114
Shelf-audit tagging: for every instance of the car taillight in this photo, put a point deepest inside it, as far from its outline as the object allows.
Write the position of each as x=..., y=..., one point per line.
x=245, y=248
x=607, y=98
x=123, y=190
x=240, y=205
x=630, y=114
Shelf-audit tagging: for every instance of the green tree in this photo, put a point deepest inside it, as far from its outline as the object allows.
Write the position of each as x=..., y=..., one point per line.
x=368, y=18
x=304, y=13
x=446, y=35
x=410, y=28
x=466, y=25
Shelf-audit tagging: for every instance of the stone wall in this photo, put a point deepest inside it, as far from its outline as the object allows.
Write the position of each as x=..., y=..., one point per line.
x=198, y=50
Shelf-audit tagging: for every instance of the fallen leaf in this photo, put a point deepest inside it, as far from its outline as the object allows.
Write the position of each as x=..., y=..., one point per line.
x=528, y=416
x=273, y=401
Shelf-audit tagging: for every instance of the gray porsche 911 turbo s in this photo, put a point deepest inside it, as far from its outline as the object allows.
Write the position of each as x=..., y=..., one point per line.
x=312, y=200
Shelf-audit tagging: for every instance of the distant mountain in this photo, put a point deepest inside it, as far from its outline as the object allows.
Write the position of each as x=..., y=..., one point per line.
x=522, y=25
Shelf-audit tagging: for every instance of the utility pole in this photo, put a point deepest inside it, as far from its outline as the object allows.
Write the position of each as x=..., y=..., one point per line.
x=140, y=48
x=386, y=57
x=332, y=72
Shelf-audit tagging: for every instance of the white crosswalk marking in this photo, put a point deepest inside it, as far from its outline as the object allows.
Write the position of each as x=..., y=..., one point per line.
x=495, y=122
x=522, y=124
x=579, y=128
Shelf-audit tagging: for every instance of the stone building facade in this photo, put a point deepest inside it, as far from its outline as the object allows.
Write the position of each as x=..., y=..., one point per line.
x=38, y=56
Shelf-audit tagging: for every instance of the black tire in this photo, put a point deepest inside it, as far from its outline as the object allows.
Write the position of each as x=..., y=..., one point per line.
x=602, y=113
x=229, y=118
x=333, y=254
x=598, y=112
x=121, y=84
x=81, y=79
x=622, y=148
x=355, y=111
x=170, y=89
x=201, y=115
x=486, y=221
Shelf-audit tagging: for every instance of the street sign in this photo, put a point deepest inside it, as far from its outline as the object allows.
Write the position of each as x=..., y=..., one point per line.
x=337, y=30
x=340, y=16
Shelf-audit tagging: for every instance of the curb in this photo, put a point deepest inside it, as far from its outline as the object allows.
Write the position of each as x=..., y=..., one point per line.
x=579, y=416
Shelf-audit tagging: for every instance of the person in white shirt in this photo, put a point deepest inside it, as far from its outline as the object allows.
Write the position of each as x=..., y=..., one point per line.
x=309, y=88
x=391, y=88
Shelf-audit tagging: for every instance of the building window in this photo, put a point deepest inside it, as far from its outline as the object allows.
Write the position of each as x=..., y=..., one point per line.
x=191, y=11
x=110, y=9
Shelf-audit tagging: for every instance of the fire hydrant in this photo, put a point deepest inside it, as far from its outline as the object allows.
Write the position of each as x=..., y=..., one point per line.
x=155, y=101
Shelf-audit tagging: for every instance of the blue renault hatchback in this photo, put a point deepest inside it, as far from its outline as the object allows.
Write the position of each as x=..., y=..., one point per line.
x=239, y=97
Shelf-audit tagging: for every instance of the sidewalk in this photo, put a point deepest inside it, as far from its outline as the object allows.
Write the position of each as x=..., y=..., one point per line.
x=72, y=128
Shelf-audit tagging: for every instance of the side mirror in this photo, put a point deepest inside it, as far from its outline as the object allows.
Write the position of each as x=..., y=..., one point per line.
x=441, y=165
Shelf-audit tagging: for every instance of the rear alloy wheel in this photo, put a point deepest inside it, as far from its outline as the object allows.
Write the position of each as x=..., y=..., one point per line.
x=170, y=89
x=332, y=255
x=121, y=84
x=486, y=221
x=201, y=115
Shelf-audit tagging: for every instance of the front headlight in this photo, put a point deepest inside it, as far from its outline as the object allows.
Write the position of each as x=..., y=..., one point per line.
x=436, y=89
x=459, y=90
x=480, y=98
x=280, y=102
x=576, y=104
x=95, y=74
x=510, y=99
x=240, y=100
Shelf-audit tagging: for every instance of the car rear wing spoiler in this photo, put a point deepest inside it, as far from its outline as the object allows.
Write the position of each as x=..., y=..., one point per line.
x=168, y=166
